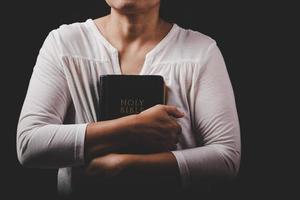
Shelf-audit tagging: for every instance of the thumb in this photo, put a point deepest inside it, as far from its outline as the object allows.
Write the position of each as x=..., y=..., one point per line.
x=174, y=111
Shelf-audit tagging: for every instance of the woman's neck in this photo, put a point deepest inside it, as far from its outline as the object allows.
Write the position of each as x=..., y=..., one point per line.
x=122, y=30
x=130, y=27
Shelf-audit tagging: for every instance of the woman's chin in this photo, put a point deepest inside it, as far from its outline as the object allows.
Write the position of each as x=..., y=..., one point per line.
x=132, y=6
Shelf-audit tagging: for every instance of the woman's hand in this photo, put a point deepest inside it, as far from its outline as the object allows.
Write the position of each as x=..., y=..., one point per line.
x=107, y=166
x=156, y=129
x=151, y=131
x=133, y=169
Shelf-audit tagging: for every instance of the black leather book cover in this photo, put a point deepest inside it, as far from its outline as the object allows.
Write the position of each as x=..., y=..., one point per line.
x=122, y=95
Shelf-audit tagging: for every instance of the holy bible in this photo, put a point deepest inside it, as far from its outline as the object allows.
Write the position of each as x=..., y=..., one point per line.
x=121, y=95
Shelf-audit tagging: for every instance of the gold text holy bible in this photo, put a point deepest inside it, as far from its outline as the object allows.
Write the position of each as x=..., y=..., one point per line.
x=121, y=95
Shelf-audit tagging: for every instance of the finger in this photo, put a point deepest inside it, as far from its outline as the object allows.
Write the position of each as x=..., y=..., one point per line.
x=173, y=111
x=176, y=125
x=172, y=147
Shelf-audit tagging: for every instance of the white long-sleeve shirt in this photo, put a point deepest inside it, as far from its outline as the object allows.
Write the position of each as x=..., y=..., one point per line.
x=62, y=98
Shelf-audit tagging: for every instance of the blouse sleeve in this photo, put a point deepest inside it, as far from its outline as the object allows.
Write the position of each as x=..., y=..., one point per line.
x=215, y=123
x=43, y=140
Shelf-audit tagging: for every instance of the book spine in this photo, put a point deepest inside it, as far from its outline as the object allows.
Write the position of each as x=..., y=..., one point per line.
x=164, y=95
x=101, y=100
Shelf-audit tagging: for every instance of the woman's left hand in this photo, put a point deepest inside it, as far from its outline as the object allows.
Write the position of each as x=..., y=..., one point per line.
x=107, y=166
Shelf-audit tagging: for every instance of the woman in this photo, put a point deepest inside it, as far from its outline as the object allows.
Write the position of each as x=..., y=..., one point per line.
x=198, y=129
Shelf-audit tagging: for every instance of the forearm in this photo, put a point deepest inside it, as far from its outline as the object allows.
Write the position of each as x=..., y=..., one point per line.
x=151, y=131
x=152, y=168
x=50, y=146
x=209, y=163
x=107, y=136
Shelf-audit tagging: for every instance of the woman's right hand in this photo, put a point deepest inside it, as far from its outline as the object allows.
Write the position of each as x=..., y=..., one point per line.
x=156, y=129
x=151, y=131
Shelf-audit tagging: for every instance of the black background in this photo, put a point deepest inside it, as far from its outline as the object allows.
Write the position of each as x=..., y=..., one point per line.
x=258, y=42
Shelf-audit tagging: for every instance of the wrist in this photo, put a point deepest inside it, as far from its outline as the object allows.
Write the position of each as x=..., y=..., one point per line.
x=131, y=130
x=133, y=121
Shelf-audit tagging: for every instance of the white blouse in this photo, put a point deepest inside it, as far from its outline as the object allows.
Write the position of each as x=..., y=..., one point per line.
x=62, y=98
